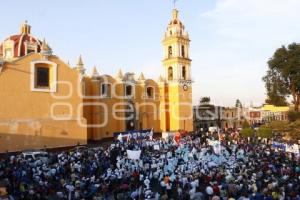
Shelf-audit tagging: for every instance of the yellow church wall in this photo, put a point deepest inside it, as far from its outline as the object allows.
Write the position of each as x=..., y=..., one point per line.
x=186, y=113
x=105, y=121
x=21, y=107
x=148, y=108
x=40, y=133
x=173, y=108
x=163, y=107
x=180, y=108
x=180, y=105
x=87, y=109
x=34, y=119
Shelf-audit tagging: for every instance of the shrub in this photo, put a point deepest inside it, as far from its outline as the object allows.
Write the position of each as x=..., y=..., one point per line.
x=280, y=126
x=245, y=124
x=293, y=116
x=264, y=132
x=247, y=132
x=294, y=131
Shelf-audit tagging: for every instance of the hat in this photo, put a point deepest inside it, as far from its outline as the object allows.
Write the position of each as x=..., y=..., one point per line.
x=209, y=190
x=215, y=198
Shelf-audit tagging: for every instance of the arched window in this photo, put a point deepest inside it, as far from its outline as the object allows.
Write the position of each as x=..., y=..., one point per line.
x=128, y=90
x=170, y=73
x=170, y=51
x=182, y=51
x=31, y=49
x=183, y=72
x=8, y=53
x=8, y=49
x=150, y=92
x=105, y=90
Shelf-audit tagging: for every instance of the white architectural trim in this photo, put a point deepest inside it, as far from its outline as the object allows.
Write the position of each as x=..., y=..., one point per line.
x=20, y=45
x=53, y=84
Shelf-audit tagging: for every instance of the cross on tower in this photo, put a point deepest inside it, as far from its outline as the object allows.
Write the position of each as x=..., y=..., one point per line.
x=174, y=3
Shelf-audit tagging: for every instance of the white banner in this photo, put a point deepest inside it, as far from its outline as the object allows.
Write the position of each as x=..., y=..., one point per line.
x=166, y=135
x=216, y=145
x=294, y=148
x=134, y=155
x=156, y=147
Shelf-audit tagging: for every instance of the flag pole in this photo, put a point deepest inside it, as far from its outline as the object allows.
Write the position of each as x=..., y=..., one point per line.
x=174, y=3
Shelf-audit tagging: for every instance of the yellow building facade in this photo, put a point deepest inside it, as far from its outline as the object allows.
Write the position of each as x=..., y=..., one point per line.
x=271, y=112
x=34, y=109
x=48, y=103
x=127, y=102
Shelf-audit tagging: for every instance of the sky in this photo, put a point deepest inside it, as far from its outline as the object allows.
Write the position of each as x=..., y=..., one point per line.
x=231, y=40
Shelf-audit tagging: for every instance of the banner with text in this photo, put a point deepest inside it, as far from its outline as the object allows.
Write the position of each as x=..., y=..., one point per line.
x=141, y=134
x=134, y=155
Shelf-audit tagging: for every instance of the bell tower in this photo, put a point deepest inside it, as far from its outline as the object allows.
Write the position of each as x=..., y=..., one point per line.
x=177, y=71
x=176, y=45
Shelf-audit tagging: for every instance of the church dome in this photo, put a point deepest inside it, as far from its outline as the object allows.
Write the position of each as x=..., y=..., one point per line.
x=175, y=27
x=175, y=21
x=20, y=45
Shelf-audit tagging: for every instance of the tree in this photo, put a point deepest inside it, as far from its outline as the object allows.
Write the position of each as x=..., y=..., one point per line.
x=283, y=76
x=205, y=100
x=294, y=132
x=238, y=104
x=247, y=132
x=293, y=116
x=245, y=124
x=265, y=132
x=280, y=126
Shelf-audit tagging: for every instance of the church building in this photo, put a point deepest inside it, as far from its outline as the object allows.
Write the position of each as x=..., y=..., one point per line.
x=46, y=103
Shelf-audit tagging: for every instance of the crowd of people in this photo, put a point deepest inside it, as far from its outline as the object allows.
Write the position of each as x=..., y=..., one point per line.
x=189, y=168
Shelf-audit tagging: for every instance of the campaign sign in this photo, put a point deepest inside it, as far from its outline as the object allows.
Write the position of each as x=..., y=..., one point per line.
x=292, y=148
x=166, y=135
x=156, y=147
x=140, y=134
x=216, y=145
x=279, y=146
x=134, y=155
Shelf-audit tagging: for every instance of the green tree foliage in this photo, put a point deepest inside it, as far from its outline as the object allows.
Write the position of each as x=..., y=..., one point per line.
x=247, y=132
x=245, y=124
x=205, y=101
x=294, y=132
x=283, y=76
x=238, y=104
x=264, y=132
x=287, y=129
x=280, y=126
x=276, y=99
x=293, y=116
